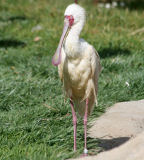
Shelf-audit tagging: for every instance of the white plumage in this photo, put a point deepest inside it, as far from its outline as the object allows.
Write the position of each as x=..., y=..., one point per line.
x=80, y=66
x=78, y=63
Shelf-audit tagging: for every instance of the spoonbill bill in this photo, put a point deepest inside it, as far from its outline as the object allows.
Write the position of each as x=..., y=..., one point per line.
x=78, y=66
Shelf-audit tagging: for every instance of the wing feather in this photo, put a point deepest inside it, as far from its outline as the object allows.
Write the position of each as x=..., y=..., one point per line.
x=96, y=69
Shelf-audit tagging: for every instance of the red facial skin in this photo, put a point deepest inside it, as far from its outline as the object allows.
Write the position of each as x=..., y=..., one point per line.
x=71, y=19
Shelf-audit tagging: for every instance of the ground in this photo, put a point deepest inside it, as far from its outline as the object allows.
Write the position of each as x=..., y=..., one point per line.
x=35, y=120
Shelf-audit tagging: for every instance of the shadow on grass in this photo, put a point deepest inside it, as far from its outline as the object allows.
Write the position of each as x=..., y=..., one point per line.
x=111, y=52
x=135, y=5
x=13, y=18
x=21, y=18
x=11, y=43
x=131, y=4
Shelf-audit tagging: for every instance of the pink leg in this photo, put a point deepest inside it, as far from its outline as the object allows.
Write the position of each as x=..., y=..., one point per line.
x=85, y=128
x=74, y=123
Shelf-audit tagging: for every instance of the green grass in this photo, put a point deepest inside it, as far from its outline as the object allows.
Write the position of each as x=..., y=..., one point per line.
x=35, y=120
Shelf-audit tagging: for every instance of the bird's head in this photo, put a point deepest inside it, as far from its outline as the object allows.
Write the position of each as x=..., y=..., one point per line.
x=74, y=14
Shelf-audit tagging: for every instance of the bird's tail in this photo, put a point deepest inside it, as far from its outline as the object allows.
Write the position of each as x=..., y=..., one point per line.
x=91, y=94
x=81, y=104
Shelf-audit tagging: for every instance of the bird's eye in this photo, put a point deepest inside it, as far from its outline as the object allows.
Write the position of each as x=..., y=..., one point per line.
x=70, y=18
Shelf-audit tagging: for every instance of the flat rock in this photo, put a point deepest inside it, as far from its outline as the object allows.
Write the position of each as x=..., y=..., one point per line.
x=120, y=131
x=131, y=150
x=121, y=121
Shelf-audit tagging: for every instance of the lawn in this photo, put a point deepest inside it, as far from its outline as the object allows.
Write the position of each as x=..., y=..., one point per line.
x=35, y=119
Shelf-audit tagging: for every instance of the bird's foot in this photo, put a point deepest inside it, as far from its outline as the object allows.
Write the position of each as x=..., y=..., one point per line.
x=85, y=151
x=85, y=154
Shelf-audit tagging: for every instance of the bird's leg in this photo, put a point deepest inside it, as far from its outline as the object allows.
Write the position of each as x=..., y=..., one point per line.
x=74, y=123
x=85, y=127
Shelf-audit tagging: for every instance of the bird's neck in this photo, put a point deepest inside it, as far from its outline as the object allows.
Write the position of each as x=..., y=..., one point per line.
x=72, y=43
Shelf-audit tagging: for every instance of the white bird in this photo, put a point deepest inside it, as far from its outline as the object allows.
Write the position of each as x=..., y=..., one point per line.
x=78, y=67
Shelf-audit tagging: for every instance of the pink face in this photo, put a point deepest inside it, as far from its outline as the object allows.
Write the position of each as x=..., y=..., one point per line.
x=68, y=22
x=71, y=20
